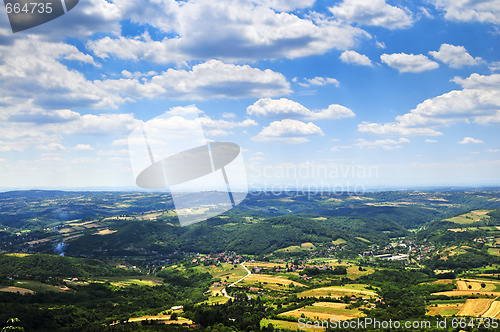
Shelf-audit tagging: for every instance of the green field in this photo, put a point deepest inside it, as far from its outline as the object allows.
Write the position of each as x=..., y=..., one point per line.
x=469, y=218
x=37, y=286
x=134, y=280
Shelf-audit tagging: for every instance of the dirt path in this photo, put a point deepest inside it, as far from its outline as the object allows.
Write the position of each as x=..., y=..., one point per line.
x=223, y=291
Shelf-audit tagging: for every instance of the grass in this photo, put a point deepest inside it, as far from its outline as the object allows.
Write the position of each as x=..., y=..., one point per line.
x=494, y=251
x=226, y=272
x=469, y=218
x=339, y=291
x=339, y=241
x=134, y=280
x=37, y=286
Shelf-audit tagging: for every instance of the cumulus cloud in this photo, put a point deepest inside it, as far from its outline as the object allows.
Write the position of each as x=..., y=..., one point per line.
x=320, y=81
x=288, y=131
x=211, y=79
x=455, y=56
x=409, y=63
x=486, y=11
x=232, y=30
x=285, y=108
x=31, y=70
x=395, y=128
x=354, y=57
x=478, y=102
x=386, y=144
x=373, y=12
x=470, y=140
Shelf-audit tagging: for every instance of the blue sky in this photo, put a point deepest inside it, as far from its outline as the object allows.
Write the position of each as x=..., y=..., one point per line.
x=345, y=94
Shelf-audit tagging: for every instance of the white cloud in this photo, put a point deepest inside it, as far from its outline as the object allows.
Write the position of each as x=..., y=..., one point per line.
x=373, y=12
x=494, y=66
x=51, y=147
x=409, y=63
x=455, y=56
x=83, y=147
x=478, y=102
x=288, y=131
x=355, y=58
x=216, y=133
x=37, y=115
x=31, y=71
x=470, y=140
x=333, y=112
x=232, y=30
x=386, y=144
x=88, y=17
x=228, y=115
x=395, y=128
x=469, y=11
x=431, y=141
x=285, y=5
x=493, y=150
x=211, y=79
x=285, y=107
x=476, y=81
x=320, y=81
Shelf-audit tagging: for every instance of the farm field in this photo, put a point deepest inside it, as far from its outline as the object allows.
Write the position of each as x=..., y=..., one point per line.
x=469, y=218
x=226, y=272
x=13, y=289
x=467, y=293
x=444, y=309
x=37, y=286
x=138, y=280
x=475, y=307
x=286, y=325
x=476, y=285
x=324, y=311
x=493, y=311
x=339, y=291
x=270, y=279
x=164, y=319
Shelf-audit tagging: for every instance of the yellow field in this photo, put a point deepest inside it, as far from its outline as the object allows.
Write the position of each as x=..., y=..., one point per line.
x=475, y=307
x=255, y=278
x=324, y=311
x=338, y=291
x=445, y=309
x=12, y=289
x=105, y=232
x=493, y=311
x=476, y=285
x=165, y=319
x=264, y=264
x=467, y=293
x=17, y=254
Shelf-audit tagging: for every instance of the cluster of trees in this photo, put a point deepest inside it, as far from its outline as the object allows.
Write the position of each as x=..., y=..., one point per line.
x=55, y=266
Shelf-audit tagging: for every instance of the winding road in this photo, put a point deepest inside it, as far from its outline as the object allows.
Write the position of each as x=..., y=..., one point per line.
x=223, y=291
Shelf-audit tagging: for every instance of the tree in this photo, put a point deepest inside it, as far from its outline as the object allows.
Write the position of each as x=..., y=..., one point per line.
x=174, y=316
x=13, y=324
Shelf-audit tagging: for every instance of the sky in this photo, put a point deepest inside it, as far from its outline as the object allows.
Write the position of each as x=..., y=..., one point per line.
x=340, y=95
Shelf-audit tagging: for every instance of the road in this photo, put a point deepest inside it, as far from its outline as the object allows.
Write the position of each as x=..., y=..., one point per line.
x=223, y=291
